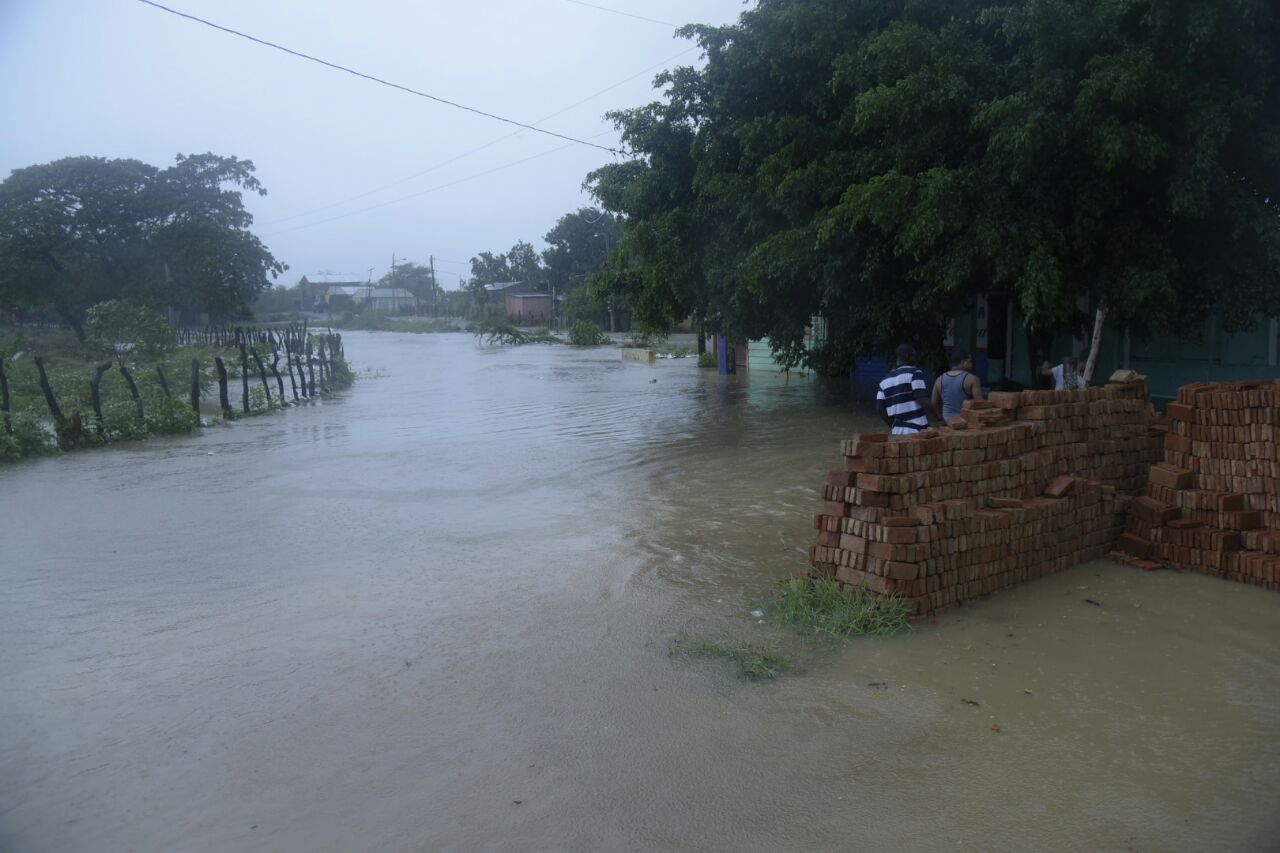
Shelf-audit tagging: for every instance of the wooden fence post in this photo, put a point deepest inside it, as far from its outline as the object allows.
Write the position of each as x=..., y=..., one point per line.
x=311, y=368
x=222, y=388
x=4, y=399
x=262, y=372
x=164, y=382
x=95, y=396
x=195, y=386
x=244, y=373
x=133, y=391
x=58, y=419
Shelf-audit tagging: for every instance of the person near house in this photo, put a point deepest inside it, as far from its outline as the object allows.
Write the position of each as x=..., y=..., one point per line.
x=1066, y=376
x=903, y=399
x=958, y=384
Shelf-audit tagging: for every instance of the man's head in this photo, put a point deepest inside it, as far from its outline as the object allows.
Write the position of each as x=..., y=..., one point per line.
x=906, y=354
x=1070, y=362
x=961, y=360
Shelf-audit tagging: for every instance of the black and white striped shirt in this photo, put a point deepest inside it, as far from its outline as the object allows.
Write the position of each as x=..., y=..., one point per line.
x=900, y=396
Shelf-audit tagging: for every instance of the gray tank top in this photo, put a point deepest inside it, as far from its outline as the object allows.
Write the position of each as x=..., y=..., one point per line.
x=953, y=394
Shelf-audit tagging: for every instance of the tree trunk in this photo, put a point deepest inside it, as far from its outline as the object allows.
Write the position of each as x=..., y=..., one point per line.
x=1095, y=344
x=133, y=392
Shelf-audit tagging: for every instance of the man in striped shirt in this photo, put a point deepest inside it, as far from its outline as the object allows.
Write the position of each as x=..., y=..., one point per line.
x=903, y=398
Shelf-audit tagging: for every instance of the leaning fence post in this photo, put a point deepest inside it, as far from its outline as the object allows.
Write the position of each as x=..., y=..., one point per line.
x=164, y=382
x=311, y=368
x=262, y=372
x=4, y=398
x=222, y=388
x=95, y=396
x=244, y=373
x=195, y=386
x=133, y=391
x=58, y=419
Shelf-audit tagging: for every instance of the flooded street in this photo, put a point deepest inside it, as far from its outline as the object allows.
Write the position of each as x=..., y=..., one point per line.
x=435, y=613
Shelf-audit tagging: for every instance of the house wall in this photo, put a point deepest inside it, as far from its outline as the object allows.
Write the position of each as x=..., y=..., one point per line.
x=529, y=307
x=1167, y=361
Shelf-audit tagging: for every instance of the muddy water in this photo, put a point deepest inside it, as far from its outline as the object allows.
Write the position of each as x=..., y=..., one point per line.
x=435, y=614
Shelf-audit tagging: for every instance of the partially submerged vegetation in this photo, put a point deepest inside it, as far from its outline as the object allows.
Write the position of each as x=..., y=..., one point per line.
x=824, y=607
x=503, y=333
x=128, y=381
x=755, y=661
x=821, y=608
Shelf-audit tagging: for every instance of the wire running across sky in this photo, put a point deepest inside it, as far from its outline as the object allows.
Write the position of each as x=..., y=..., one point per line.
x=477, y=149
x=371, y=77
x=426, y=191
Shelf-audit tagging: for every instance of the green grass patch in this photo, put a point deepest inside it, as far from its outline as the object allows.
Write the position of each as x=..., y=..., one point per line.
x=827, y=608
x=755, y=662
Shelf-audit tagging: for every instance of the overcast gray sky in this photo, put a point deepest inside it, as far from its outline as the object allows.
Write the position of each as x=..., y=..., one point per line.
x=117, y=78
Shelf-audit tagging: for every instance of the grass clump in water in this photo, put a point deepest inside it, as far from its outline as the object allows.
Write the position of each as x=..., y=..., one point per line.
x=755, y=662
x=825, y=606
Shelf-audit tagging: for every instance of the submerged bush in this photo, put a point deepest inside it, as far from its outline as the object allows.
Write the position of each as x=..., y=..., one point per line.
x=707, y=359
x=585, y=333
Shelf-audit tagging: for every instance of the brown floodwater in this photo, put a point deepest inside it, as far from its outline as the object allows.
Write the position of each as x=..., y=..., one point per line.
x=436, y=613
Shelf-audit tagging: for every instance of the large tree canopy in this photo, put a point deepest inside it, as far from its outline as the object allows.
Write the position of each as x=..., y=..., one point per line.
x=82, y=230
x=880, y=162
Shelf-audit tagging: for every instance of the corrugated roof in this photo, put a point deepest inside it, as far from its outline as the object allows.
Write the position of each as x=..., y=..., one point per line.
x=390, y=293
x=501, y=285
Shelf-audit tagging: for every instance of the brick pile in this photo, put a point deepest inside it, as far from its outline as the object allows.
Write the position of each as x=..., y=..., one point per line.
x=1213, y=504
x=1021, y=485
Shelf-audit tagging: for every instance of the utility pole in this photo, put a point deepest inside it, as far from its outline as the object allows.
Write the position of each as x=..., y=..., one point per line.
x=394, y=306
x=435, y=314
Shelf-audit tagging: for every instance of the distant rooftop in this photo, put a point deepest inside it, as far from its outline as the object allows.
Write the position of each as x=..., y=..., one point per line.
x=334, y=278
x=501, y=285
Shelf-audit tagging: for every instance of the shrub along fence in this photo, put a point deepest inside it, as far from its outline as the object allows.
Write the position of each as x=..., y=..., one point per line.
x=313, y=361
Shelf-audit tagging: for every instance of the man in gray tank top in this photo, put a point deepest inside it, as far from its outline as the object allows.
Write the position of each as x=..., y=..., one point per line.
x=952, y=388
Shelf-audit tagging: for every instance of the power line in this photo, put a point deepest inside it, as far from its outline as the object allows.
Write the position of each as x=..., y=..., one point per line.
x=626, y=14
x=352, y=71
x=426, y=191
x=478, y=148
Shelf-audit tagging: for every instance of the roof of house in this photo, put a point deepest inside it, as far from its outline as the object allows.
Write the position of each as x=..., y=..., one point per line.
x=529, y=295
x=346, y=291
x=389, y=293
x=334, y=278
x=501, y=285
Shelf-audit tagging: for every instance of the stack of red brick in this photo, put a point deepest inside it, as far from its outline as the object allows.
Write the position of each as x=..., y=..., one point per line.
x=1026, y=484
x=1213, y=505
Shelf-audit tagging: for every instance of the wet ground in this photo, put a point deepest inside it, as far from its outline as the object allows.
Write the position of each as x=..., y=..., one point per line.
x=436, y=614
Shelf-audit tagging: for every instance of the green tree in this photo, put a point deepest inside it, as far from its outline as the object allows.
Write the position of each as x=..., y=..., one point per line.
x=488, y=268
x=576, y=250
x=881, y=162
x=525, y=265
x=82, y=230
x=415, y=278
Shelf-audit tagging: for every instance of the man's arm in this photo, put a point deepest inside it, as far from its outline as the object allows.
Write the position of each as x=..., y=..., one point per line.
x=975, y=390
x=936, y=399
